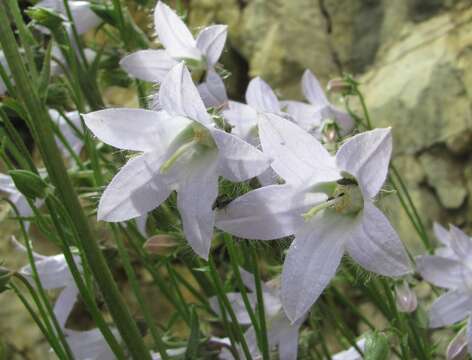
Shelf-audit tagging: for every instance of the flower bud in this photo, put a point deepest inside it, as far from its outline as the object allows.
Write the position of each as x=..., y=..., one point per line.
x=405, y=298
x=29, y=184
x=45, y=17
x=160, y=244
x=457, y=348
x=338, y=85
x=376, y=347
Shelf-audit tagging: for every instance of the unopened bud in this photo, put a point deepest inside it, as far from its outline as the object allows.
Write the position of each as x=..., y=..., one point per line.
x=160, y=244
x=457, y=348
x=29, y=184
x=406, y=298
x=376, y=347
x=45, y=17
x=338, y=85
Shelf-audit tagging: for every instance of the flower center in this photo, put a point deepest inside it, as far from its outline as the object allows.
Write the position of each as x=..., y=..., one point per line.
x=195, y=138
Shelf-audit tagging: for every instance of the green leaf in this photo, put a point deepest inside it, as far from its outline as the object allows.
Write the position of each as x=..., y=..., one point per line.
x=194, y=339
x=376, y=347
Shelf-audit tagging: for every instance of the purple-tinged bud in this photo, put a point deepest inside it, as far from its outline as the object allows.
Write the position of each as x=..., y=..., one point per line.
x=457, y=348
x=160, y=244
x=5, y=276
x=338, y=85
x=406, y=298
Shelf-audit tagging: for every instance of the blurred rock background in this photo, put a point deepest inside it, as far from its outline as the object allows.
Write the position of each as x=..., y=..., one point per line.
x=413, y=59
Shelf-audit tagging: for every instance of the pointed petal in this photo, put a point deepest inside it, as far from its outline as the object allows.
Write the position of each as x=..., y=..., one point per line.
x=298, y=157
x=449, y=308
x=53, y=272
x=179, y=96
x=461, y=243
x=195, y=198
x=237, y=304
x=343, y=120
x=238, y=160
x=312, y=89
x=288, y=341
x=366, y=156
x=261, y=97
x=469, y=335
x=135, y=190
x=213, y=90
x=376, y=246
x=65, y=303
x=441, y=234
x=141, y=224
x=135, y=129
x=243, y=119
x=271, y=212
x=174, y=34
x=443, y=272
x=211, y=41
x=83, y=16
x=148, y=65
x=305, y=115
x=312, y=261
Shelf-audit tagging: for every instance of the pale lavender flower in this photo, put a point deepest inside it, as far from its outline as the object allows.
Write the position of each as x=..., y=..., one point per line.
x=90, y=344
x=281, y=334
x=183, y=151
x=405, y=298
x=179, y=44
x=452, y=270
x=54, y=273
x=73, y=139
x=318, y=111
x=351, y=353
x=83, y=16
x=327, y=202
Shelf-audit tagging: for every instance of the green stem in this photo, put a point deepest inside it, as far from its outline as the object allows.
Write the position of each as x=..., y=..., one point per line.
x=41, y=129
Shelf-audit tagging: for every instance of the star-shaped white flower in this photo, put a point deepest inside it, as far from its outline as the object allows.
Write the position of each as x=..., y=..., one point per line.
x=54, y=273
x=312, y=116
x=327, y=202
x=82, y=14
x=183, y=151
x=451, y=270
x=179, y=44
x=281, y=333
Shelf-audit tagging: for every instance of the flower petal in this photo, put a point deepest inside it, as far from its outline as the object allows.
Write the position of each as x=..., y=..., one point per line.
x=195, y=197
x=179, y=96
x=298, y=157
x=461, y=243
x=469, y=335
x=305, y=115
x=83, y=16
x=135, y=129
x=238, y=160
x=287, y=339
x=441, y=234
x=449, y=308
x=148, y=65
x=135, y=190
x=65, y=303
x=213, y=90
x=271, y=212
x=343, y=120
x=211, y=41
x=376, y=246
x=312, y=261
x=53, y=272
x=174, y=34
x=443, y=272
x=260, y=96
x=237, y=304
x=243, y=119
x=312, y=90
x=366, y=156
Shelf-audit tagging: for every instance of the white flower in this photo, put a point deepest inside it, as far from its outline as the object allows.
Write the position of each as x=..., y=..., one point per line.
x=452, y=271
x=179, y=44
x=82, y=14
x=69, y=133
x=327, y=202
x=17, y=198
x=405, y=298
x=351, y=353
x=183, y=151
x=280, y=332
x=312, y=116
x=54, y=273
x=90, y=344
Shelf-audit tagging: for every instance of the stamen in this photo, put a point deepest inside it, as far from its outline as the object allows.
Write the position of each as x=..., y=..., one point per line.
x=177, y=155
